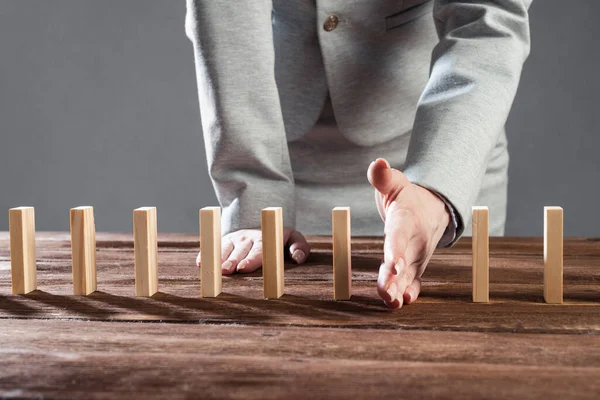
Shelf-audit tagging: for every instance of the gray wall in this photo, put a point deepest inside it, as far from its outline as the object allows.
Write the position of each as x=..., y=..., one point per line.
x=554, y=127
x=98, y=107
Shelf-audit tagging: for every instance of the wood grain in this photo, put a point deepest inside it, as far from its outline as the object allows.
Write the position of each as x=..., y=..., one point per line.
x=22, y=249
x=210, y=251
x=516, y=289
x=146, y=251
x=43, y=358
x=272, y=258
x=83, y=250
x=553, y=255
x=342, y=253
x=481, y=255
x=177, y=344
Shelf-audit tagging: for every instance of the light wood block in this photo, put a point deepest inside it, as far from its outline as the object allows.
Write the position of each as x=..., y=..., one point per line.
x=210, y=252
x=146, y=251
x=481, y=255
x=342, y=259
x=21, y=222
x=83, y=250
x=272, y=260
x=553, y=255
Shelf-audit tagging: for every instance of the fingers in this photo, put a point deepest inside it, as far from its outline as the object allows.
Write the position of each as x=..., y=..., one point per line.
x=386, y=285
x=242, y=246
x=399, y=282
x=392, y=287
x=412, y=291
x=226, y=249
x=410, y=295
x=253, y=260
x=299, y=248
x=242, y=250
x=386, y=179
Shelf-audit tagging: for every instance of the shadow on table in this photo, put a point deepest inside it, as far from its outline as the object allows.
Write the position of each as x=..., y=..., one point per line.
x=54, y=305
x=16, y=305
x=517, y=293
x=286, y=309
x=224, y=308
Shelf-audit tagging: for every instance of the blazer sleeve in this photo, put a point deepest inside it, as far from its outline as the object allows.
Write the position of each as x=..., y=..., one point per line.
x=475, y=71
x=242, y=124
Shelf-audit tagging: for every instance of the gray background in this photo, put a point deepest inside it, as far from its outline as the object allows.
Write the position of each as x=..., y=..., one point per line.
x=98, y=106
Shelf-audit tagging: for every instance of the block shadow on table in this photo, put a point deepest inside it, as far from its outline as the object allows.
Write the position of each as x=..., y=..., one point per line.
x=445, y=304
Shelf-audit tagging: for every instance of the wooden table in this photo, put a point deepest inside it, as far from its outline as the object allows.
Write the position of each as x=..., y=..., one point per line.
x=177, y=345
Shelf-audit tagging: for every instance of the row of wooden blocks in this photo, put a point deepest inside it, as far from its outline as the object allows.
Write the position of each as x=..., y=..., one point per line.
x=83, y=244
x=83, y=247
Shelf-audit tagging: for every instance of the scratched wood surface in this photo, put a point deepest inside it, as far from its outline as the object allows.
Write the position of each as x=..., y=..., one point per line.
x=56, y=345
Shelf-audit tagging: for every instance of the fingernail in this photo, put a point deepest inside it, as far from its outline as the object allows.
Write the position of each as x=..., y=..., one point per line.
x=392, y=289
x=385, y=161
x=298, y=256
x=226, y=265
x=242, y=265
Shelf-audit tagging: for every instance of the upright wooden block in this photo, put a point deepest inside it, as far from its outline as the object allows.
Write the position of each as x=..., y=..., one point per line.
x=481, y=255
x=342, y=260
x=83, y=250
x=553, y=255
x=272, y=260
x=21, y=222
x=210, y=251
x=146, y=251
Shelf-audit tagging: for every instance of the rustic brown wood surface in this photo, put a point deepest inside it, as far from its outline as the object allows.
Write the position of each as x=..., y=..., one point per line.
x=178, y=345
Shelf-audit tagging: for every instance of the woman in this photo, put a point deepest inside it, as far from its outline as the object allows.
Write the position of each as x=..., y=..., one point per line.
x=298, y=98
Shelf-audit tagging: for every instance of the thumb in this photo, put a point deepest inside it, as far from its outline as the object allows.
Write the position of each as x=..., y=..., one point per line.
x=299, y=248
x=385, y=179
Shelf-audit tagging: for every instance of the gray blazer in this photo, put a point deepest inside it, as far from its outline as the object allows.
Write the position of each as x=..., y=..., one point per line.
x=443, y=71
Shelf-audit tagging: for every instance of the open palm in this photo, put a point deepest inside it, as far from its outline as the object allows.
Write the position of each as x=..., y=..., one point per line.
x=415, y=219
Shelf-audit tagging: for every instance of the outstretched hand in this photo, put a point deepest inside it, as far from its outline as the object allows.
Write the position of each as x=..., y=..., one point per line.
x=415, y=219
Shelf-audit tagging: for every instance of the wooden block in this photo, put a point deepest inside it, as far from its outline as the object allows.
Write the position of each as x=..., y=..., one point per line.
x=22, y=249
x=210, y=252
x=83, y=250
x=553, y=255
x=272, y=260
x=481, y=255
x=342, y=259
x=146, y=251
